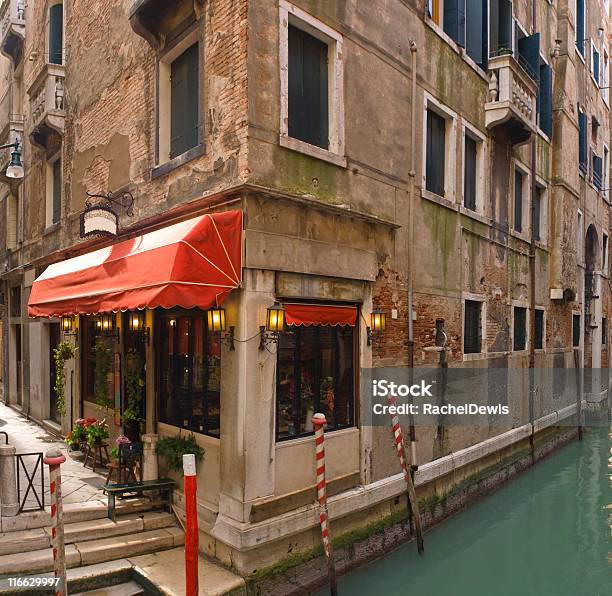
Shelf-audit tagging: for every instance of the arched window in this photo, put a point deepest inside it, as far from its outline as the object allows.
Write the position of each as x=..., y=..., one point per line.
x=56, y=34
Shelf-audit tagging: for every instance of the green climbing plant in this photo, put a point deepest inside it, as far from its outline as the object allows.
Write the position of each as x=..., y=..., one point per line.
x=103, y=361
x=63, y=352
x=172, y=450
x=134, y=384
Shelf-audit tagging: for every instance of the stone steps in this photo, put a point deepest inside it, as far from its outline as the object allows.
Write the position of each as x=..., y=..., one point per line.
x=88, y=542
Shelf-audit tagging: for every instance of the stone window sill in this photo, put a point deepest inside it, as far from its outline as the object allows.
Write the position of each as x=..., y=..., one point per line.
x=443, y=201
x=312, y=150
x=51, y=229
x=177, y=162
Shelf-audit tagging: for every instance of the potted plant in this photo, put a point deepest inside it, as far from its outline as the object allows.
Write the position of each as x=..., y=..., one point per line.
x=172, y=450
x=115, y=452
x=97, y=432
x=77, y=436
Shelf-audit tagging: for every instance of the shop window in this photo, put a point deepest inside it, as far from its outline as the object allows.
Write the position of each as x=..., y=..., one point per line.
x=315, y=373
x=520, y=328
x=472, y=327
x=56, y=34
x=189, y=373
x=134, y=379
x=576, y=330
x=539, y=329
x=97, y=358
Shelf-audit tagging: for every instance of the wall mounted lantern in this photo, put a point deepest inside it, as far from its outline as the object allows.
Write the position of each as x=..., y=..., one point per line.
x=275, y=323
x=68, y=326
x=105, y=325
x=15, y=168
x=136, y=324
x=378, y=323
x=217, y=324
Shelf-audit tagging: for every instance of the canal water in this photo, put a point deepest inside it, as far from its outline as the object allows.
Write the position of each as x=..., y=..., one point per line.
x=546, y=533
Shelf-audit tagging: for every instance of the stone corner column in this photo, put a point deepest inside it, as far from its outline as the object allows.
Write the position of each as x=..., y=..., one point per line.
x=149, y=459
x=9, y=503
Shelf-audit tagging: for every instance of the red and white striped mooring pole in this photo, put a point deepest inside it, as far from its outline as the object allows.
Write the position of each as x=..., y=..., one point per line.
x=191, y=526
x=411, y=493
x=54, y=458
x=318, y=421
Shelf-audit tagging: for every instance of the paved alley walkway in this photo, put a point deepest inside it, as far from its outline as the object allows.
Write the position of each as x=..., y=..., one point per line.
x=79, y=484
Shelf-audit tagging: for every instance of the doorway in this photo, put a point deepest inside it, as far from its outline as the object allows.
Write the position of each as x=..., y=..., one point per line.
x=54, y=340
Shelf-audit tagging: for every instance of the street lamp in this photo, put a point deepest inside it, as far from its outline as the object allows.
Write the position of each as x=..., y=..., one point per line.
x=15, y=168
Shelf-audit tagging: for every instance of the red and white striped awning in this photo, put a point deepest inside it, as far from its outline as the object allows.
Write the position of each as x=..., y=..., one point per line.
x=194, y=263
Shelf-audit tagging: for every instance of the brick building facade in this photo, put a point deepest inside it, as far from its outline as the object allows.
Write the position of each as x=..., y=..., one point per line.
x=491, y=209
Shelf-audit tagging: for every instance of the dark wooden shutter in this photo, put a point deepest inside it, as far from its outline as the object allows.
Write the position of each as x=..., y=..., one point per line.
x=545, y=99
x=472, y=332
x=469, y=188
x=529, y=55
x=582, y=140
x=520, y=326
x=596, y=65
x=184, y=101
x=539, y=330
x=454, y=20
x=308, y=89
x=597, y=172
x=435, y=155
x=476, y=31
x=575, y=331
x=518, y=201
x=56, y=34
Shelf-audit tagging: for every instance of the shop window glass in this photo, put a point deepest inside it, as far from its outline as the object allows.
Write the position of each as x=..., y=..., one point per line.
x=315, y=374
x=189, y=373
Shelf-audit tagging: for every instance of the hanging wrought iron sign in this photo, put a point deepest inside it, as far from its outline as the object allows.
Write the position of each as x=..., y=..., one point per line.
x=101, y=218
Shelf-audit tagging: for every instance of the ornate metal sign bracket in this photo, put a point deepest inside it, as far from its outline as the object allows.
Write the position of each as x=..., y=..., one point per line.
x=100, y=218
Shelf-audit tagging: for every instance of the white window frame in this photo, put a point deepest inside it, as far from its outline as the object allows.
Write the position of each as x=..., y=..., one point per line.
x=580, y=237
x=164, y=98
x=481, y=151
x=450, y=153
x=605, y=251
x=440, y=25
x=526, y=221
x=520, y=304
x=290, y=14
x=483, y=325
x=543, y=348
x=49, y=190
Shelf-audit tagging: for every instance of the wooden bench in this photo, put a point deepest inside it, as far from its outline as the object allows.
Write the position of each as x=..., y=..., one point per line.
x=165, y=485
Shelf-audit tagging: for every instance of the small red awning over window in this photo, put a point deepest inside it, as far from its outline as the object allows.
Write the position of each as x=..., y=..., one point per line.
x=194, y=263
x=316, y=314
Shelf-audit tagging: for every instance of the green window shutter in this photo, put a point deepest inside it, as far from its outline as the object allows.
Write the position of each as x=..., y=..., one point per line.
x=582, y=139
x=529, y=55
x=308, y=89
x=580, y=26
x=57, y=190
x=476, y=31
x=184, y=101
x=454, y=20
x=435, y=153
x=56, y=34
x=545, y=100
x=469, y=189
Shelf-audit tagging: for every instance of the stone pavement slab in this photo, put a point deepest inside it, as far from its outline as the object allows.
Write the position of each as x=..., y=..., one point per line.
x=79, y=484
x=166, y=570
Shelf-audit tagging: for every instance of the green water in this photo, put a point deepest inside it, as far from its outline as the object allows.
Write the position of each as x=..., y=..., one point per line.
x=546, y=533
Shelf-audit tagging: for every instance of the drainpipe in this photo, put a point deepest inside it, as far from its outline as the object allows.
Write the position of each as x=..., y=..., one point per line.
x=410, y=240
x=532, y=272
